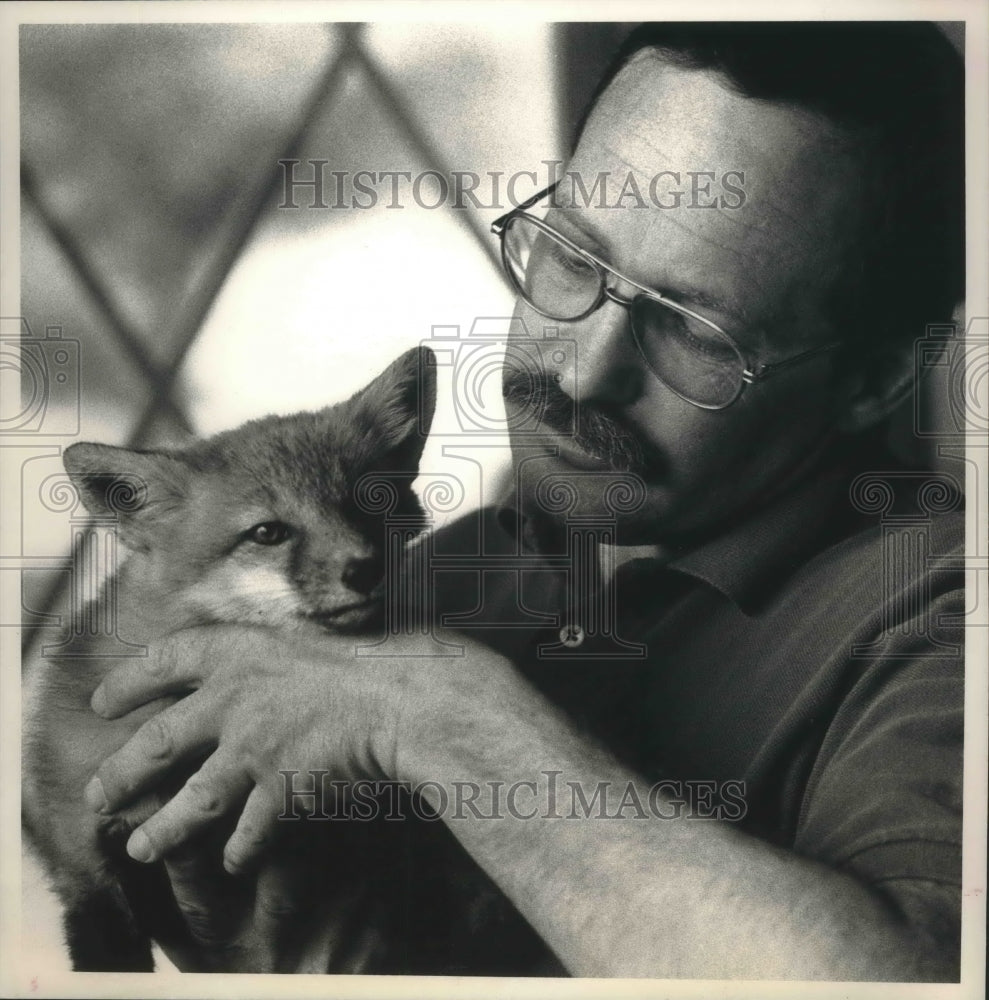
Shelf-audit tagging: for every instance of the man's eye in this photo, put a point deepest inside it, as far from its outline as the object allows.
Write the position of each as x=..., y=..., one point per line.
x=697, y=338
x=268, y=533
x=570, y=261
x=704, y=341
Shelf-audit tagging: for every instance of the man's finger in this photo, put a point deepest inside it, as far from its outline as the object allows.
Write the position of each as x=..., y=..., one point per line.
x=255, y=831
x=179, y=733
x=212, y=904
x=175, y=664
x=214, y=790
x=278, y=905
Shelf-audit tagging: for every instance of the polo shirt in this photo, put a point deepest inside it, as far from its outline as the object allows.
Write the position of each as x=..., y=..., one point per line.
x=801, y=674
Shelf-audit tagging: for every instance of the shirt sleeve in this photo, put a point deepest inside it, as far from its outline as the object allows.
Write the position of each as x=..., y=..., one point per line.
x=884, y=801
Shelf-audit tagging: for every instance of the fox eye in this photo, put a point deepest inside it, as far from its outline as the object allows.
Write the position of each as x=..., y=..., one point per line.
x=268, y=533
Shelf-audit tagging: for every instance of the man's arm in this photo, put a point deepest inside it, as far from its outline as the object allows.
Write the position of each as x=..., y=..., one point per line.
x=644, y=897
x=632, y=897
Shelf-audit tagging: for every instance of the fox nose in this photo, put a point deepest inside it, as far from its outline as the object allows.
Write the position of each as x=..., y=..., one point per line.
x=362, y=575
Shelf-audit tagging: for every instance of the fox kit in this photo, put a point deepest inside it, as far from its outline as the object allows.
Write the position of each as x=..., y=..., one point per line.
x=257, y=525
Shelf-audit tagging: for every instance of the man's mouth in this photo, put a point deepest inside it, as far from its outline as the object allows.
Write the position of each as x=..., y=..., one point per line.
x=570, y=452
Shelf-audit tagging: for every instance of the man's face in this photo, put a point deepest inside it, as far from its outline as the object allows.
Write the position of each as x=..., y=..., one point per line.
x=761, y=271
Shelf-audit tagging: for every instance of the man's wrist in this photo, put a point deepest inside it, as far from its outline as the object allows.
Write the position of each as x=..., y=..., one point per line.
x=443, y=710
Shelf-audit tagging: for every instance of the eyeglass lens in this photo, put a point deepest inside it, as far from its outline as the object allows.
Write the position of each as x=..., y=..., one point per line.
x=694, y=359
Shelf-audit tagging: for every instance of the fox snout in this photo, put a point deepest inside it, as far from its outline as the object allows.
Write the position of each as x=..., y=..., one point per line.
x=363, y=575
x=345, y=577
x=342, y=591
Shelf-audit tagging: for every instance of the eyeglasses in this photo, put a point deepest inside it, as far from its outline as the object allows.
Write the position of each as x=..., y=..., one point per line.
x=687, y=352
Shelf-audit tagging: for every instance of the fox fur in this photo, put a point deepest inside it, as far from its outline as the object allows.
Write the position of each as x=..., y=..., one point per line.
x=258, y=525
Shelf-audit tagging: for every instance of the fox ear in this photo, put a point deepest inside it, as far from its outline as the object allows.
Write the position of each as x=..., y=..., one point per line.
x=397, y=408
x=140, y=488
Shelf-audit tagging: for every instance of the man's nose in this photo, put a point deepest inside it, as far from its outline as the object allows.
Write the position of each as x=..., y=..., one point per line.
x=605, y=367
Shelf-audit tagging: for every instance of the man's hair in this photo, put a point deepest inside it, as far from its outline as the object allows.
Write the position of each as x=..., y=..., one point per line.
x=896, y=88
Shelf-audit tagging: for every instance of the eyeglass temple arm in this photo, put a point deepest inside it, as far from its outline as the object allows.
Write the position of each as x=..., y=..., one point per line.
x=761, y=372
x=498, y=226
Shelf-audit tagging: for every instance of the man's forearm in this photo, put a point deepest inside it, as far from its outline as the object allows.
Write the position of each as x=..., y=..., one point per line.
x=633, y=897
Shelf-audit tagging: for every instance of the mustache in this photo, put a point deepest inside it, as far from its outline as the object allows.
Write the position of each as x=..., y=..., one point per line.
x=594, y=428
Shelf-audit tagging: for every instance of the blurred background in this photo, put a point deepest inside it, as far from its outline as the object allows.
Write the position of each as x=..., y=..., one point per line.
x=157, y=263
x=160, y=271
x=156, y=244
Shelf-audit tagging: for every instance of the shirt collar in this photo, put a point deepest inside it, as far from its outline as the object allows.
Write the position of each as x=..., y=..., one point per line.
x=749, y=560
x=752, y=559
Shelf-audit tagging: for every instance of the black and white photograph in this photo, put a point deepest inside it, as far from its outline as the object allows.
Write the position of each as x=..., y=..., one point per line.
x=494, y=499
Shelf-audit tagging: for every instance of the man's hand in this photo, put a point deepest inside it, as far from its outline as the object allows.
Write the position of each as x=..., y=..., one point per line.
x=659, y=898
x=302, y=912
x=261, y=703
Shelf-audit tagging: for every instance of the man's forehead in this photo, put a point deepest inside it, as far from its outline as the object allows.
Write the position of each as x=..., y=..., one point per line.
x=684, y=136
x=656, y=116
x=635, y=119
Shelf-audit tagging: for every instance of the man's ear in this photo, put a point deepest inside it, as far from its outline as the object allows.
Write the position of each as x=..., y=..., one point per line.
x=397, y=408
x=141, y=489
x=869, y=391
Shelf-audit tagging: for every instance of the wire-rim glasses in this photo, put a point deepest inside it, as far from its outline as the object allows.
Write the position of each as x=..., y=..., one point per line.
x=687, y=352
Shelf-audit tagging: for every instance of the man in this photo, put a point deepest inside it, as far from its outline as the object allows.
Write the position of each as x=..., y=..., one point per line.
x=733, y=368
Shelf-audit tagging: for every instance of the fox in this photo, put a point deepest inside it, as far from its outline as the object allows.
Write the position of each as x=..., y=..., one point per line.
x=258, y=525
